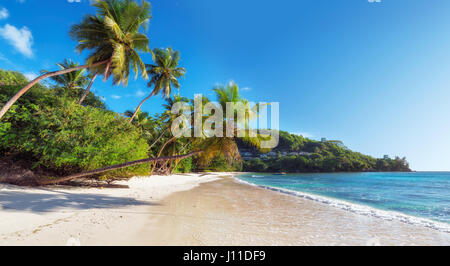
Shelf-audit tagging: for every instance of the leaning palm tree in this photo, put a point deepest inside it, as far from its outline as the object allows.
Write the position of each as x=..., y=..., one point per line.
x=113, y=36
x=92, y=77
x=226, y=145
x=205, y=148
x=164, y=74
x=168, y=119
x=212, y=147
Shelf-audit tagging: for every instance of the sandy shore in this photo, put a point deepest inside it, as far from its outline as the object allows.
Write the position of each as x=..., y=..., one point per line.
x=86, y=216
x=205, y=210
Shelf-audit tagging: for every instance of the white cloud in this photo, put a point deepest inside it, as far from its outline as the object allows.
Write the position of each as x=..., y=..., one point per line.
x=140, y=93
x=73, y=1
x=20, y=39
x=116, y=97
x=4, y=13
x=30, y=75
x=246, y=89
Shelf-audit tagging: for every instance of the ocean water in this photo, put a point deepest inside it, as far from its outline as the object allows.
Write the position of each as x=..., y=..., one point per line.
x=417, y=197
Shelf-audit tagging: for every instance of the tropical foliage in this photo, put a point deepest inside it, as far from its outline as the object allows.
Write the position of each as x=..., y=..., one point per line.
x=60, y=138
x=164, y=74
x=317, y=156
x=114, y=36
x=72, y=80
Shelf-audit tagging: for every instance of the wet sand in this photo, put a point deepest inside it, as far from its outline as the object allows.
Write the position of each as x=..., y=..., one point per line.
x=226, y=212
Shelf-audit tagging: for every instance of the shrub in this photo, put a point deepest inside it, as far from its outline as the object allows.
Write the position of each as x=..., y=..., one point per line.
x=12, y=78
x=220, y=164
x=62, y=137
x=185, y=166
x=76, y=93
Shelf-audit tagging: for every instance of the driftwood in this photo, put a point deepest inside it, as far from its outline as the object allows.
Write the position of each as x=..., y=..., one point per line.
x=115, y=167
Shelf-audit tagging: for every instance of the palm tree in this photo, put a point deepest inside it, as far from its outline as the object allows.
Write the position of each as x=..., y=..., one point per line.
x=72, y=80
x=225, y=145
x=168, y=118
x=164, y=74
x=207, y=148
x=215, y=146
x=114, y=38
x=142, y=118
x=88, y=89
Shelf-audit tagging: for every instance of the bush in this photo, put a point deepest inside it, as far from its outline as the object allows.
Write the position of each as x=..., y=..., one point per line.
x=254, y=165
x=62, y=137
x=76, y=93
x=220, y=164
x=12, y=78
x=185, y=166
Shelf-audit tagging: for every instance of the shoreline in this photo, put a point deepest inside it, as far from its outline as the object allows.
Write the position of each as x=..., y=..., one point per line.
x=191, y=209
x=229, y=213
x=359, y=208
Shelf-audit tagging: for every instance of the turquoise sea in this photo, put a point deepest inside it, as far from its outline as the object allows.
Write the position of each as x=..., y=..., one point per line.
x=416, y=197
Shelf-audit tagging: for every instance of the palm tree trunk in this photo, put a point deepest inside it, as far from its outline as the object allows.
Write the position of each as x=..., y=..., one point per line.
x=139, y=107
x=160, y=152
x=160, y=136
x=115, y=167
x=88, y=89
x=108, y=66
x=163, y=168
x=8, y=105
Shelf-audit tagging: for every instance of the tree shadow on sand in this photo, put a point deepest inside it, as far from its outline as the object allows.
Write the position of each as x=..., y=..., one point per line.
x=57, y=200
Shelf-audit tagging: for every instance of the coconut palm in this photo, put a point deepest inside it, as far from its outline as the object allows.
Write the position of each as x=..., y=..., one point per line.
x=72, y=80
x=168, y=118
x=113, y=36
x=164, y=74
x=92, y=77
x=205, y=148
x=225, y=145
x=213, y=146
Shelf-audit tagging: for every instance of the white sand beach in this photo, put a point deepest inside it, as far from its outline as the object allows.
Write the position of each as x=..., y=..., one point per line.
x=85, y=216
x=190, y=209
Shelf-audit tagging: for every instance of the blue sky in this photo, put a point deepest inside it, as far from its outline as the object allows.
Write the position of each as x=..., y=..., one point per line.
x=374, y=75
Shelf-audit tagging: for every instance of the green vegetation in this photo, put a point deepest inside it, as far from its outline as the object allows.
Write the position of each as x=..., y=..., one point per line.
x=12, y=78
x=164, y=74
x=61, y=138
x=306, y=155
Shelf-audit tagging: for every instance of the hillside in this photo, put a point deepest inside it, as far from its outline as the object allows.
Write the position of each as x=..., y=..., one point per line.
x=298, y=154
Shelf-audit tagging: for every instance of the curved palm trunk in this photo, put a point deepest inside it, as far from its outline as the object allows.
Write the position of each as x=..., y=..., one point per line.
x=107, y=72
x=88, y=89
x=163, y=168
x=139, y=107
x=8, y=105
x=160, y=152
x=160, y=136
x=115, y=167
